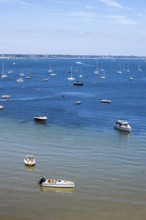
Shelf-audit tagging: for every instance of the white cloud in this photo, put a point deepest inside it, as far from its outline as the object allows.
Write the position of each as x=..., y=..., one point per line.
x=123, y=20
x=112, y=4
x=76, y=3
x=20, y=3
x=81, y=14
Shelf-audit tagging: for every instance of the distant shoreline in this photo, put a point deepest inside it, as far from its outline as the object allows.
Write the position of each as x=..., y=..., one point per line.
x=45, y=56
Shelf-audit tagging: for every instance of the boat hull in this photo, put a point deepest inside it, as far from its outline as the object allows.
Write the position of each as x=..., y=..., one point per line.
x=123, y=129
x=58, y=185
x=78, y=84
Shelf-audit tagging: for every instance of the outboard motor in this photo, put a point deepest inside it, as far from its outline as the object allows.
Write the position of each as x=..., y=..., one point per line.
x=42, y=179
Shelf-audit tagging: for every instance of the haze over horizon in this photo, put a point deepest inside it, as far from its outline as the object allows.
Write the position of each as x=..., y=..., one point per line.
x=106, y=27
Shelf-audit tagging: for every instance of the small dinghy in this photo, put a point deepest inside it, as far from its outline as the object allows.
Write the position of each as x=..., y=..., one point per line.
x=29, y=160
x=56, y=183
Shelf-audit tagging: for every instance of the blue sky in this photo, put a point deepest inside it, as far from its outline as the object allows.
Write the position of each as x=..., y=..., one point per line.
x=77, y=27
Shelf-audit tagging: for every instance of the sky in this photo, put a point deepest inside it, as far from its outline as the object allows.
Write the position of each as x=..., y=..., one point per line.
x=73, y=27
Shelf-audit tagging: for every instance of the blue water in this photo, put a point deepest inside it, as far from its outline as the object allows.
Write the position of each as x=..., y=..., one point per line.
x=46, y=97
x=77, y=143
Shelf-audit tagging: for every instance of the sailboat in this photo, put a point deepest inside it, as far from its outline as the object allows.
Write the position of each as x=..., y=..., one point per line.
x=120, y=69
x=81, y=74
x=103, y=76
x=128, y=70
x=50, y=69
x=139, y=68
x=4, y=76
x=71, y=77
x=97, y=69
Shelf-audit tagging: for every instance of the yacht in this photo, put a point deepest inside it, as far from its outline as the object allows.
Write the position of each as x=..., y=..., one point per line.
x=122, y=125
x=40, y=118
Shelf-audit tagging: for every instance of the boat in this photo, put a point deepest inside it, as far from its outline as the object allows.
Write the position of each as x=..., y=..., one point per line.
x=103, y=76
x=45, y=79
x=78, y=83
x=5, y=96
x=56, y=183
x=139, y=68
x=122, y=125
x=50, y=69
x=3, y=75
x=1, y=107
x=71, y=77
x=78, y=62
x=78, y=102
x=40, y=118
x=29, y=160
x=81, y=74
x=53, y=74
x=105, y=101
x=10, y=71
x=20, y=80
x=120, y=69
x=29, y=77
x=97, y=69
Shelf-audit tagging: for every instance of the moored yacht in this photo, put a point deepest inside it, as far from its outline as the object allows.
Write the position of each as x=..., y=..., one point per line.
x=78, y=83
x=122, y=125
x=105, y=101
x=5, y=96
x=40, y=118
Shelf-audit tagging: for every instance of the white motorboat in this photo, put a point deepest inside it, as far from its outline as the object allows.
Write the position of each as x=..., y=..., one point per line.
x=1, y=107
x=105, y=101
x=5, y=96
x=29, y=160
x=40, y=118
x=20, y=80
x=122, y=125
x=78, y=102
x=57, y=183
x=53, y=74
x=4, y=76
x=29, y=77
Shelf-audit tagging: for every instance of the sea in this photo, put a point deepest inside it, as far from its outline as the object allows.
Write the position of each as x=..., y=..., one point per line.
x=78, y=142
